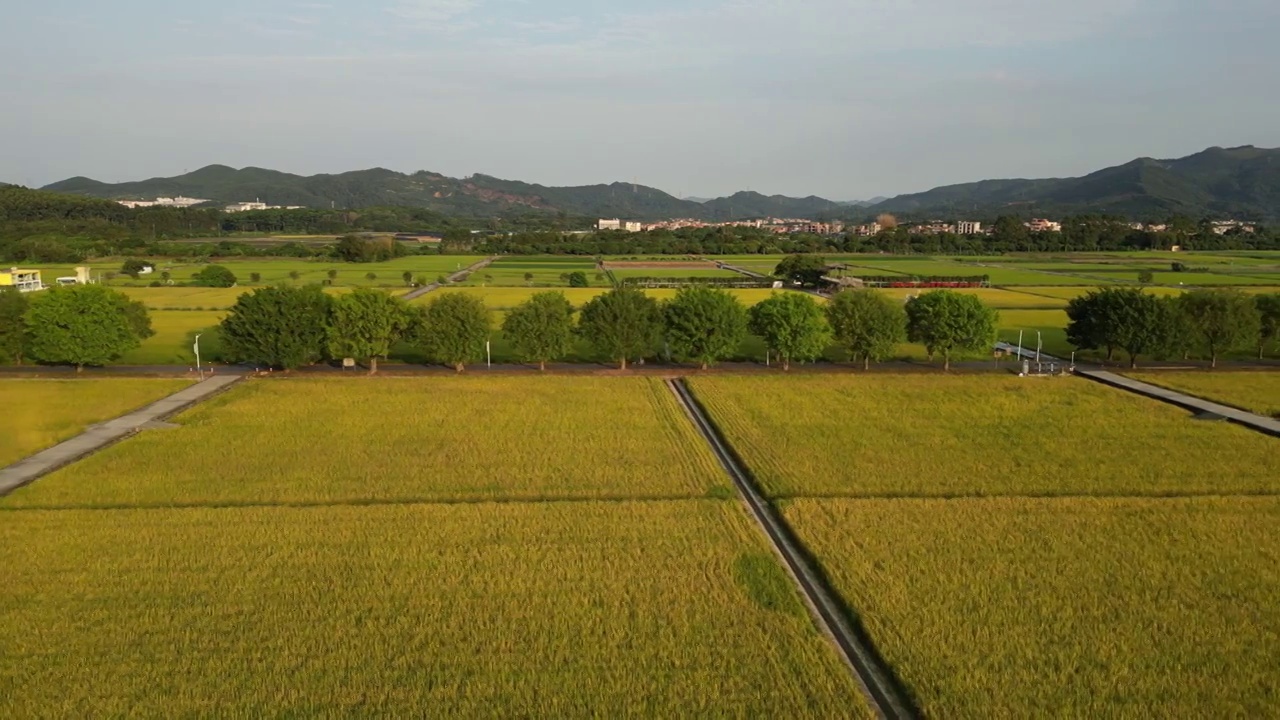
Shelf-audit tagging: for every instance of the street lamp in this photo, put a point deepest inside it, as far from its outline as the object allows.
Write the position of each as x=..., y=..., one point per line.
x=197, y=349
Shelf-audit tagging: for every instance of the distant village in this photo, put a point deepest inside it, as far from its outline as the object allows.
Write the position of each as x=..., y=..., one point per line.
x=792, y=226
x=186, y=202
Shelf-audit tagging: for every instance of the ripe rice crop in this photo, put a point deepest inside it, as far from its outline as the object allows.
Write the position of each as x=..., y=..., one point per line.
x=609, y=609
x=932, y=435
x=42, y=413
x=1063, y=607
x=1257, y=392
x=174, y=334
x=335, y=440
x=992, y=297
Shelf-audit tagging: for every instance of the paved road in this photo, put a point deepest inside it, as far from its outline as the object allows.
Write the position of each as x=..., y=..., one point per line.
x=454, y=278
x=99, y=436
x=1195, y=404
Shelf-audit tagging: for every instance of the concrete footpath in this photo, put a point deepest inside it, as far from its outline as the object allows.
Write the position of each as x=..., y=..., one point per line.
x=96, y=437
x=454, y=278
x=1195, y=404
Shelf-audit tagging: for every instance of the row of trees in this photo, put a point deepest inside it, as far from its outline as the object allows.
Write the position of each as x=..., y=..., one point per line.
x=287, y=327
x=78, y=325
x=1200, y=323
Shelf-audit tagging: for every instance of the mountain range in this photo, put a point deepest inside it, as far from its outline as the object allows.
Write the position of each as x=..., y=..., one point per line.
x=1242, y=182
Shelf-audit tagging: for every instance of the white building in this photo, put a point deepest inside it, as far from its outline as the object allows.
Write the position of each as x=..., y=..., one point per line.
x=633, y=227
x=968, y=227
x=614, y=224
x=1039, y=225
x=258, y=205
x=178, y=202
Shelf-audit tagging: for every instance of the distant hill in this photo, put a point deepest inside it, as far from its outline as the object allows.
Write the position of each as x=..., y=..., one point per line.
x=1241, y=182
x=476, y=196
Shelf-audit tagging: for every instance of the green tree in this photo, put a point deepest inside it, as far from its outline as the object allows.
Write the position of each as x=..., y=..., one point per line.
x=214, y=276
x=294, y=275
x=134, y=267
x=370, y=276
x=453, y=330
x=333, y=274
x=166, y=275
x=407, y=276
x=13, y=331
x=1269, y=321
x=704, y=325
x=84, y=325
x=1221, y=320
x=621, y=324
x=866, y=323
x=793, y=327
x=541, y=328
x=280, y=327
x=807, y=270
x=945, y=321
x=253, y=277
x=528, y=278
x=364, y=324
x=578, y=279
x=1091, y=326
x=1146, y=277
x=1140, y=322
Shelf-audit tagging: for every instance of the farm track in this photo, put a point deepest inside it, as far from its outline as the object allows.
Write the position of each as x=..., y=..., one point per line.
x=881, y=690
x=457, y=277
x=1244, y=418
x=104, y=434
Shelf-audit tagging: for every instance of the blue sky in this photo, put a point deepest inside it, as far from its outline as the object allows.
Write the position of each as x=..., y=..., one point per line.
x=840, y=98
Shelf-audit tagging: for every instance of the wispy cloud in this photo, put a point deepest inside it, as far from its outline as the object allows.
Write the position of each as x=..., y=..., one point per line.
x=432, y=14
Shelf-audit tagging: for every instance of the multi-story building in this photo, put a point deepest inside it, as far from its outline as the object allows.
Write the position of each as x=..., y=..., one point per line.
x=614, y=224
x=1041, y=225
x=632, y=227
x=178, y=202
x=23, y=280
x=968, y=227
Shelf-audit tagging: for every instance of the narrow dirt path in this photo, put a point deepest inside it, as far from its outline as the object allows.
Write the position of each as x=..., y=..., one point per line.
x=1188, y=402
x=96, y=437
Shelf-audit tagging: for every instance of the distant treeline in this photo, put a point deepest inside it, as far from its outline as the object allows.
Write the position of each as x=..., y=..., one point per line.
x=37, y=226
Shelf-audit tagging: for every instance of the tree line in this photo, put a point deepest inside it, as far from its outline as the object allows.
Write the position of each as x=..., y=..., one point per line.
x=1205, y=324
x=289, y=327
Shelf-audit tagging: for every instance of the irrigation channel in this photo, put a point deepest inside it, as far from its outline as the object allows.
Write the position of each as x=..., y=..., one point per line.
x=881, y=691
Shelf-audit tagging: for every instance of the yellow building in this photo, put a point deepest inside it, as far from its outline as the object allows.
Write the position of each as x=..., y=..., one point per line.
x=24, y=280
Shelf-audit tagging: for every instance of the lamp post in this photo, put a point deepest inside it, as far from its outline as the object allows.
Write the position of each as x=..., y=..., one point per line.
x=197, y=349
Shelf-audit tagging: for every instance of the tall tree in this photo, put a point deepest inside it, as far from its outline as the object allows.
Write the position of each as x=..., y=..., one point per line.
x=364, y=324
x=1221, y=320
x=280, y=327
x=945, y=321
x=866, y=323
x=793, y=326
x=1090, y=325
x=84, y=325
x=453, y=329
x=541, y=328
x=807, y=270
x=623, y=323
x=1269, y=317
x=214, y=276
x=13, y=331
x=1138, y=322
x=704, y=325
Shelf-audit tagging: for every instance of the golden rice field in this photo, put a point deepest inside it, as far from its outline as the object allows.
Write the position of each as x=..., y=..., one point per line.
x=196, y=298
x=1063, y=607
x=946, y=436
x=992, y=297
x=348, y=440
x=42, y=413
x=611, y=609
x=1257, y=392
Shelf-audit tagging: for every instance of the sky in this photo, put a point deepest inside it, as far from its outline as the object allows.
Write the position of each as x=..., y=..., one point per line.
x=846, y=99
